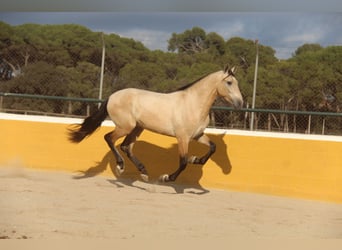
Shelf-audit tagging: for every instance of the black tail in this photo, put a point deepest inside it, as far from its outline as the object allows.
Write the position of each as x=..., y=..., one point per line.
x=89, y=125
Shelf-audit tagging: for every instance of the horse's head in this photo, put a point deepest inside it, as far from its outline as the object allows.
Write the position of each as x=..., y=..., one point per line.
x=228, y=88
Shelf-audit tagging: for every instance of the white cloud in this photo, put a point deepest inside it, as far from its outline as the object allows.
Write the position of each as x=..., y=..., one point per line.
x=310, y=37
x=284, y=31
x=157, y=39
x=152, y=39
x=227, y=30
x=283, y=52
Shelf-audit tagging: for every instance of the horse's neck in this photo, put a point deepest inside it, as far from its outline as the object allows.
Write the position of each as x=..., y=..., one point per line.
x=204, y=93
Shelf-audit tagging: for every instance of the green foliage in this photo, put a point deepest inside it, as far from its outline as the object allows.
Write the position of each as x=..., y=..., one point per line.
x=65, y=60
x=197, y=41
x=143, y=75
x=313, y=47
x=41, y=79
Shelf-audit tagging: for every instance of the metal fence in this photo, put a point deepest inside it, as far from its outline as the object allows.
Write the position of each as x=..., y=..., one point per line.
x=327, y=123
x=42, y=80
x=47, y=105
x=288, y=121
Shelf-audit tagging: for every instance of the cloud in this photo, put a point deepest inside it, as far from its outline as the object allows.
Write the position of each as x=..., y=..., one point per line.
x=310, y=37
x=158, y=39
x=227, y=29
x=283, y=52
x=284, y=31
x=152, y=39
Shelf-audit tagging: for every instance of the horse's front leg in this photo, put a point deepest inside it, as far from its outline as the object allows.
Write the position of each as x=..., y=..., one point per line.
x=183, y=161
x=183, y=145
x=204, y=139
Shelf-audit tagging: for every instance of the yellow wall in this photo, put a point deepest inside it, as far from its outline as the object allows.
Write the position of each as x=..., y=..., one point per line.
x=291, y=167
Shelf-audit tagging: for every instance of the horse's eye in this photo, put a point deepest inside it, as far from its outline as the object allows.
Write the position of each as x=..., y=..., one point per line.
x=229, y=83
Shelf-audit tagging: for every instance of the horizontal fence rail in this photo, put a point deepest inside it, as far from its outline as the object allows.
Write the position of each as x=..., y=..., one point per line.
x=49, y=97
x=83, y=103
x=278, y=111
x=221, y=116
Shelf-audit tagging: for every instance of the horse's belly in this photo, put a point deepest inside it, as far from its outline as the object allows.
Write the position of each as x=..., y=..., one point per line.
x=157, y=125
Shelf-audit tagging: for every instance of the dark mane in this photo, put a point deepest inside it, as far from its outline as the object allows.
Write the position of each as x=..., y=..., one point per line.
x=190, y=84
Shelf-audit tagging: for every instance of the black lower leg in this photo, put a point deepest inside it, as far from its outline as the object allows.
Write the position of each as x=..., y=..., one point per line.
x=127, y=148
x=182, y=165
x=118, y=157
x=134, y=159
x=204, y=159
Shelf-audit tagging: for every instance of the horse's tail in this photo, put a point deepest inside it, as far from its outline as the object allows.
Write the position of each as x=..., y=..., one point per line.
x=89, y=125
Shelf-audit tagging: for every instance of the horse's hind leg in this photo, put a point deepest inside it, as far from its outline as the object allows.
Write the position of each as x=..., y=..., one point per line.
x=127, y=147
x=111, y=138
x=212, y=148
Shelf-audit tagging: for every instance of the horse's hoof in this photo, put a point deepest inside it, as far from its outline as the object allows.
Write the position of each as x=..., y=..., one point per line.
x=119, y=170
x=164, y=178
x=144, y=177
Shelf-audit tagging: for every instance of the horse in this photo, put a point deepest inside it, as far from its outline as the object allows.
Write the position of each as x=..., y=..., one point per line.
x=183, y=114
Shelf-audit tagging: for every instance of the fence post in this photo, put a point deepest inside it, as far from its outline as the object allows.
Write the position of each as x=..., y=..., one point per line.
x=212, y=118
x=309, y=125
x=69, y=108
x=255, y=83
x=88, y=109
x=1, y=101
x=102, y=68
x=269, y=122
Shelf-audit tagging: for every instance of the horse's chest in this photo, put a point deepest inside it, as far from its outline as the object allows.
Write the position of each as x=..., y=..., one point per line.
x=197, y=126
x=199, y=130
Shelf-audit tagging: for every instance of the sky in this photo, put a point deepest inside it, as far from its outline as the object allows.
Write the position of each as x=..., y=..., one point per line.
x=283, y=31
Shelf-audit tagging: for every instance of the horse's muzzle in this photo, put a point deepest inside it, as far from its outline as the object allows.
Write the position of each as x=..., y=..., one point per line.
x=238, y=103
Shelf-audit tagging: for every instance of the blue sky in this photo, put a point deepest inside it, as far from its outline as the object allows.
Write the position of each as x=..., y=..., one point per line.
x=284, y=31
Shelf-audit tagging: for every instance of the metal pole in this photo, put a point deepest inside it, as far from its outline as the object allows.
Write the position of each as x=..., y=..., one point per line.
x=254, y=84
x=1, y=102
x=102, y=68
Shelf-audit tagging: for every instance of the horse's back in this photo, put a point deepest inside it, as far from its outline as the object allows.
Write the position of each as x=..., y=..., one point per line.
x=131, y=96
x=151, y=110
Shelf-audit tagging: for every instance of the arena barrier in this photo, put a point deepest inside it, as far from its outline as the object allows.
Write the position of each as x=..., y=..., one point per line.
x=303, y=166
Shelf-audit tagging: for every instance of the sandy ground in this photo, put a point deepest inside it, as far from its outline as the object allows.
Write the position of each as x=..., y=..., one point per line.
x=55, y=205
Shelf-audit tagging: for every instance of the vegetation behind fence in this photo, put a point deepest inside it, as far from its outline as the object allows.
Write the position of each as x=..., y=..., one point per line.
x=44, y=66
x=220, y=116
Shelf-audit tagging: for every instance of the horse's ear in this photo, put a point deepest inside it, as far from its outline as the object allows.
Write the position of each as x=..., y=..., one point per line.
x=232, y=71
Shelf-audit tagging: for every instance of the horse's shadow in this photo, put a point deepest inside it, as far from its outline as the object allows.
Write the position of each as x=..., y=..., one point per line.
x=148, y=152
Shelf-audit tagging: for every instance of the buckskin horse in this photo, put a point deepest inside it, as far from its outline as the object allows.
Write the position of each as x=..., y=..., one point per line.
x=183, y=114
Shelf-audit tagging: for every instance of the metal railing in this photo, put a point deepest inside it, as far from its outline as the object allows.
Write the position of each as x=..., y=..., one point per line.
x=269, y=119
x=88, y=101
x=49, y=97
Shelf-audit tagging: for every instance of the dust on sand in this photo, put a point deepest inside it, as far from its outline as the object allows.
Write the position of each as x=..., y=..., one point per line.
x=55, y=205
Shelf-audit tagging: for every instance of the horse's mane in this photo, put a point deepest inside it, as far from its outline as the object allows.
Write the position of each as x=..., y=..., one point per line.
x=190, y=84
